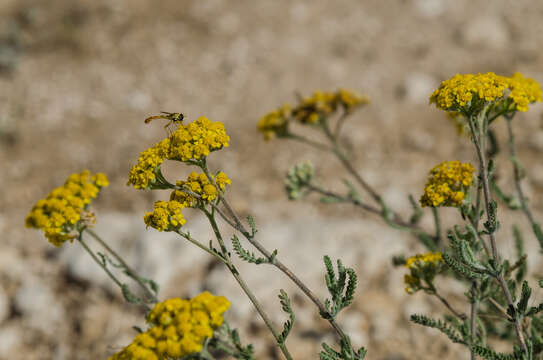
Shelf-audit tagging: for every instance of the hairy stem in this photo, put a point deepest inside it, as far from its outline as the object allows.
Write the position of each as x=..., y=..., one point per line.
x=96, y=260
x=479, y=141
x=473, y=316
x=129, y=271
x=236, y=223
x=458, y=314
x=243, y=284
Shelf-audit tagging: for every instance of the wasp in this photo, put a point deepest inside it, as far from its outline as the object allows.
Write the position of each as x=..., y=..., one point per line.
x=175, y=118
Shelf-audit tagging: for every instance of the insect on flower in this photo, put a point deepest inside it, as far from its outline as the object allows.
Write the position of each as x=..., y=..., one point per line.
x=175, y=118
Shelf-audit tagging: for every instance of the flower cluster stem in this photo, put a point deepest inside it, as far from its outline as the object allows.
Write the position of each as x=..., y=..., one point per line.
x=236, y=223
x=243, y=284
x=129, y=271
x=479, y=141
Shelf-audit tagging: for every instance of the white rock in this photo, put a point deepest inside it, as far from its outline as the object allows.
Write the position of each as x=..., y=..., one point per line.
x=10, y=338
x=38, y=304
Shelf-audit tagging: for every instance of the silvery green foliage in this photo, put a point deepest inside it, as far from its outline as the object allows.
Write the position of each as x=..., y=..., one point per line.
x=298, y=178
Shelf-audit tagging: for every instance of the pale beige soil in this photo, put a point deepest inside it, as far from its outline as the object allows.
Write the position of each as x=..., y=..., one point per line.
x=79, y=77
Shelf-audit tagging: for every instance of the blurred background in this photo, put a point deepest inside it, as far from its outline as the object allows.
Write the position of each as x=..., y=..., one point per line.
x=77, y=78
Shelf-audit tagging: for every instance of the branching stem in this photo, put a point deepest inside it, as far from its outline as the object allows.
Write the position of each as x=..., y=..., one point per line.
x=479, y=141
x=243, y=284
x=129, y=271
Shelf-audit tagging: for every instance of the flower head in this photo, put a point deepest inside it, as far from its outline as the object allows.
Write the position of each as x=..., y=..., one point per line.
x=469, y=93
x=524, y=91
x=423, y=268
x=166, y=216
x=197, y=140
x=193, y=141
x=199, y=183
x=275, y=123
x=143, y=175
x=178, y=328
x=462, y=92
x=310, y=110
x=447, y=184
x=64, y=210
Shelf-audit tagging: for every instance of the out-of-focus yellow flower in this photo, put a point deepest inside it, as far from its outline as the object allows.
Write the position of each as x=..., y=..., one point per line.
x=447, y=184
x=422, y=267
x=310, y=110
x=275, y=123
x=424, y=259
x=178, y=328
x=60, y=214
x=524, y=91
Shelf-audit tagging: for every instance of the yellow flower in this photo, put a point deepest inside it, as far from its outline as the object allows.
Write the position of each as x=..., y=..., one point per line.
x=422, y=267
x=178, y=328
x=199, y=184
x=447, y=184
x=461, y=91
x=143, y=174
x=275, y=123
x=197, y=139
x=64, y=209
x=192, y=141
x=166, y=216
x=428, y=258
x=310, y=110
x=524, y=91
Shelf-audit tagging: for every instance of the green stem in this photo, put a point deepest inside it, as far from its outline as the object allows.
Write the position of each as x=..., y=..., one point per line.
x=473, y=316
x=96, y=260
x=129, y=271
x=437, y=223
x=479, y=141
x=244, y=286
x=236, y=223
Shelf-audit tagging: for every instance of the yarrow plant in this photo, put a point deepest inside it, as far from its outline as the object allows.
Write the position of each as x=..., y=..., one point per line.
x=497, y=290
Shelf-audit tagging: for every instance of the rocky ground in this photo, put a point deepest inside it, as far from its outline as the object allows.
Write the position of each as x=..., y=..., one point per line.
x=78, y=78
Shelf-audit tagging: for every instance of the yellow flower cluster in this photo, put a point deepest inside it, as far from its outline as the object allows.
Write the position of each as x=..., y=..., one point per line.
x=459, y=91
x=62, y=210
x=197, y=139
x=193, y=141
x=419, y=259
x=143, y=174
x=309, y=111
x=422, y=267
x=199, y=184
x=275, y=123
x=178, y=328
x=447, y=184
x=524, y=91
x=166, y=216
x=463, y=90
